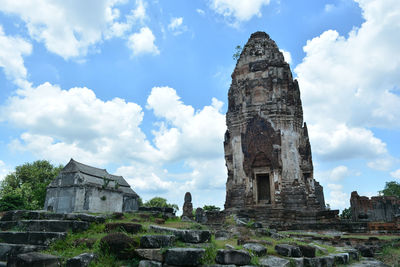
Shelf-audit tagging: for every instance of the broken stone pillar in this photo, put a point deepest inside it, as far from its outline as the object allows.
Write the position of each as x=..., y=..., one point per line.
x=187, y=206
x=267, y=149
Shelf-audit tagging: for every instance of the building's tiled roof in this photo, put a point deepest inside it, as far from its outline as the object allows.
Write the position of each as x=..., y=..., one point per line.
x=93, y=175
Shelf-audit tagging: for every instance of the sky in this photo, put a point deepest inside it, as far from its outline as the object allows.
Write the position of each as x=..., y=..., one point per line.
x=140, y=88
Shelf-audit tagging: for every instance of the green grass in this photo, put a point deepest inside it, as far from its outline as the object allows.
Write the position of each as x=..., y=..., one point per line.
x=68, y=248
x=390, y=254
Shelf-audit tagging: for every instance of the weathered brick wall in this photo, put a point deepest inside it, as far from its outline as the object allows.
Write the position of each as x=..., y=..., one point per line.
x=374, y=209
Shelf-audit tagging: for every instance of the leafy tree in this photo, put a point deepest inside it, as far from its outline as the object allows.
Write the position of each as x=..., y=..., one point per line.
x=238, y=51
x=211, y=208
x=160, y=202
x=11, y=202
x=391, y=189
x=27, y=183
x=346, y=214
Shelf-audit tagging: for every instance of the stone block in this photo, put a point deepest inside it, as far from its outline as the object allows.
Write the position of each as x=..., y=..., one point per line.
x=146, y=263
x=184, y=256
x=297, y=262
x=34, y=259
x=326, y=261
x=156, y=241
x=229, y=256
x=31, y=238
x=150, y=254
x=9, y=250
x=222, y=235
x=366, y=251
x=82, y=260
x=307, y=251
x=131, y=228
x=353, y=253
x=341, y=258
x=272, y=261
x=288, y=250
x=187, y=236
x=257, y=249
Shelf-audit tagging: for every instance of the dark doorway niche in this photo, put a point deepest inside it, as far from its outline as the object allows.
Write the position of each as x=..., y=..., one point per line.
x=263, y=188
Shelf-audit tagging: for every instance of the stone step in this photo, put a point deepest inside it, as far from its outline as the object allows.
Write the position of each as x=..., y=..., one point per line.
x=45, y=225
x=184, y=235
x=31, y=238
x=17, y=215
x=10, y=250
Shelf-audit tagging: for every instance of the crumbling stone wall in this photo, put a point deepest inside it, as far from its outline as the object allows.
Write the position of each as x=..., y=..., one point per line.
x=375, y=209
x=267, y=149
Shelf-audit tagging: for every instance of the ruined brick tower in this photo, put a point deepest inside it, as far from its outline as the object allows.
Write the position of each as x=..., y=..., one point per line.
x=267, y=150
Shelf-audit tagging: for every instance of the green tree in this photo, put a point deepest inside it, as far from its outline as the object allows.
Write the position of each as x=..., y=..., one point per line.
x=160, y=202
x=346, y=214
x=238, y=51
x=27, y=183
x=211, y=208
x=391, y=189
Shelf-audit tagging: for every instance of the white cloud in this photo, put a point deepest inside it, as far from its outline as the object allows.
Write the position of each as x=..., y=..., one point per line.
x=384, y=163
x=176, y=26
x=12, y=50
x=238, y=10
x=337, y=142
x=146, y=179
x=70, y=28
x=75, y=123
x=200, y=11
x=139, y=13
x=119, y=29
x=4, y=170
x=287, y=56
x=347, y=84
x=175, y=23
x=339, y=173
x=337, y=199
x=143, y=42
x=395, y=174
x=185, y=132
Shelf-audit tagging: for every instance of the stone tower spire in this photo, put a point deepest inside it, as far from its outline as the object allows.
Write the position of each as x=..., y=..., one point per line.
x=267, y=150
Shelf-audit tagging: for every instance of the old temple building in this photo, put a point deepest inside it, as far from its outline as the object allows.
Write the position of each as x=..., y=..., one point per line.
x=83, y=188
x=267, y=149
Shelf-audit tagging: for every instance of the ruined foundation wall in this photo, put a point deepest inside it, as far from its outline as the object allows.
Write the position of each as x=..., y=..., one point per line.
x=375, y=209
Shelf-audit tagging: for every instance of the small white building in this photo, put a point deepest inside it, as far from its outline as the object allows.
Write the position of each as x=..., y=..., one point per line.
x=82, y=188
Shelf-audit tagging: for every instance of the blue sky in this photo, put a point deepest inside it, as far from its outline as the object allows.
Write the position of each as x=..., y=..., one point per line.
x=140, y=88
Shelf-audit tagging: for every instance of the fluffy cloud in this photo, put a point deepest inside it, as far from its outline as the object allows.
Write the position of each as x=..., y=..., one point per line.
x=176, y=26
x=238, y=10
x=183, y=131
x=338, y=141
x=287, y=56
x=71, y=28
x=12, y=50
x=337, y=199
x=395, y=174
x=142, y=42
x=75, y=123
x=147, y=179
x=348, y=85
x=119, y=29
x=338, y=173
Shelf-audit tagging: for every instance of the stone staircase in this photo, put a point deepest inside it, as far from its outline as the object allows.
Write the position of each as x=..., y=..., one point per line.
x=25, y=231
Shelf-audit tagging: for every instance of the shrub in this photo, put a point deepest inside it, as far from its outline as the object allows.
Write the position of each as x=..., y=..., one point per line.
x=118, y=244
